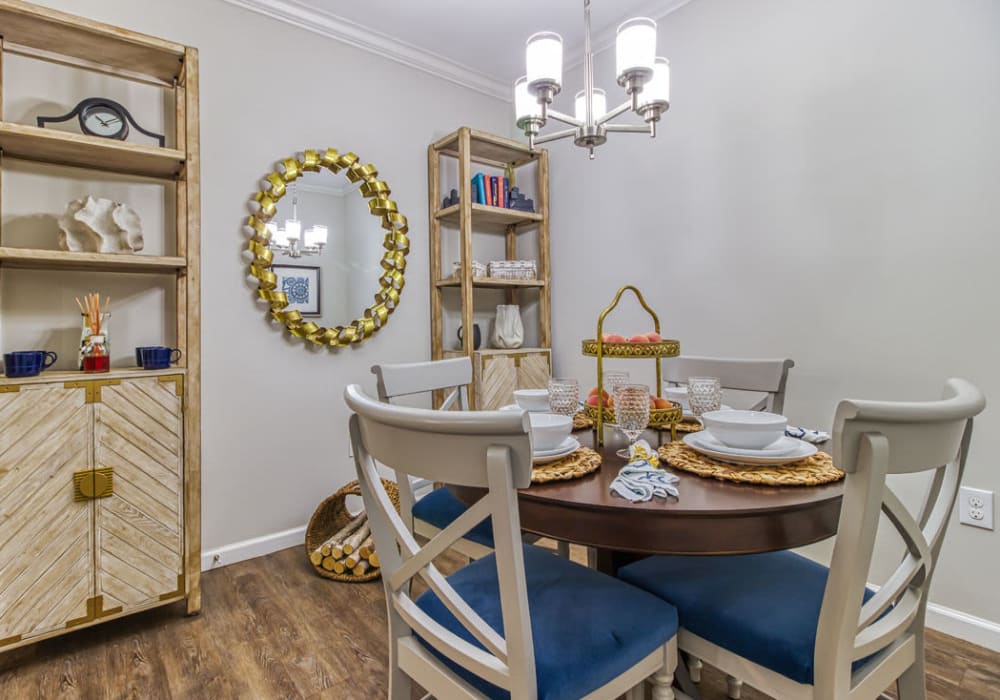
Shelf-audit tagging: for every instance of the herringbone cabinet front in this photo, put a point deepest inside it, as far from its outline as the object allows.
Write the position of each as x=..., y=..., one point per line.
x=91, y=501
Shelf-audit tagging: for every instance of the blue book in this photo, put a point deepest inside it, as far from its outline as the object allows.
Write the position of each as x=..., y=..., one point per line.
x=479, y=185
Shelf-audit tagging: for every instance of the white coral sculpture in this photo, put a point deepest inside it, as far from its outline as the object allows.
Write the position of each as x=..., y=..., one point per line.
x=97, y=225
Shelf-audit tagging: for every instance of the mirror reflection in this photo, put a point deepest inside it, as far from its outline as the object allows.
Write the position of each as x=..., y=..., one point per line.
x=327, y=247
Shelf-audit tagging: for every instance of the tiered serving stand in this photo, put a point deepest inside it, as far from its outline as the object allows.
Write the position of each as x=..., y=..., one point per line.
x=660, y=419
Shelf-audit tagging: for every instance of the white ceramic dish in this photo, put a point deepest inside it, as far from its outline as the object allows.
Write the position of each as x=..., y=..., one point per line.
x=549, y=430
x=748, y=430
x=796, y=450
x=568, y=446
x=532, y=399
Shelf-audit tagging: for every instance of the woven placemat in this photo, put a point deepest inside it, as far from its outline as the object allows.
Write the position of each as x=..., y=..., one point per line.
x=689, y=426
x=573, y=466
x=581, y=421
x=811, y=471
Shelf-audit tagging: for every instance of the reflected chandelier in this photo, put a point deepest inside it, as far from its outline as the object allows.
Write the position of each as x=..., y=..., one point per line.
x=290, y=240
x=644, y=76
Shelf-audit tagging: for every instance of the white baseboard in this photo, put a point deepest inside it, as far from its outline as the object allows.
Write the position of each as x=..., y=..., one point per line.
x=252, y=548
x=972, y=629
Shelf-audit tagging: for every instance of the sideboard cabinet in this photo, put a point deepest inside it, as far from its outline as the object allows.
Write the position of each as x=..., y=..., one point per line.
x=91, y=499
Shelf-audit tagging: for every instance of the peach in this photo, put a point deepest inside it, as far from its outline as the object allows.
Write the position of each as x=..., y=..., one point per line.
x=661, y=402
x=638, y=339
x=595, y=391
x=592, y=400
x=615, y=338
x=653, y=337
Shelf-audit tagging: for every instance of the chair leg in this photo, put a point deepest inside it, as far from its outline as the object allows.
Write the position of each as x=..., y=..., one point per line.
x=734, y=687
x=912, y=684
x=663, y=685
x=563, y=549
x=694, y=668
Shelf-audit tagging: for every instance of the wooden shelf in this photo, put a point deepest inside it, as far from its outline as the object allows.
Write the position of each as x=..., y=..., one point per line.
x=64, y=148
x=63, y=375
x=42, y=29
x=31, y=259
x=489, y=282
x=489, y=149
x=483, y=215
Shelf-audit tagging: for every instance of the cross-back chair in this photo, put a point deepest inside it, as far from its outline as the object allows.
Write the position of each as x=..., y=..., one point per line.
x=436, y=510
x=794, y=628
x=520, y=623
x=760, y=376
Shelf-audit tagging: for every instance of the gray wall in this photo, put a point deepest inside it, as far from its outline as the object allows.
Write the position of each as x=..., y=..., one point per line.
x=825, y=188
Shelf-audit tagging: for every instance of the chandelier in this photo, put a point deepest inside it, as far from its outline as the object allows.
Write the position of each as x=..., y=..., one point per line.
x=290, y=240
x=644, y=76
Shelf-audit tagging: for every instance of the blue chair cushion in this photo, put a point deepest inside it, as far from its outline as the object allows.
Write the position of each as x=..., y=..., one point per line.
x=587, y=628
x=763, y=607
x=440, y=508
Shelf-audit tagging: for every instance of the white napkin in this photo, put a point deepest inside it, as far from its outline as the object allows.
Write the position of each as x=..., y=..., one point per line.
x=807, y=434
x=641, y=479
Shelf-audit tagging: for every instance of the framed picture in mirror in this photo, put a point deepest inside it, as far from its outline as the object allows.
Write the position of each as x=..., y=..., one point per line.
x=301, y=284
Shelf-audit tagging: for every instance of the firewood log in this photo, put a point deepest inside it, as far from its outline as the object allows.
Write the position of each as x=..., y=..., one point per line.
x=352, y=560
x=342, y=534
x=366, y=548
x=331, y=564
x=316, y=558
x=373, y=559
x=355, y=540
x=361, y=568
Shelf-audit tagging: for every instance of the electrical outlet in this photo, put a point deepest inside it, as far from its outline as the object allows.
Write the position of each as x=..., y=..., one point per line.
x=975, y=507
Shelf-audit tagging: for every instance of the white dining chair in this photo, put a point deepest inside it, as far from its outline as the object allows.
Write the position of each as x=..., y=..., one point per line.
x=759, y=376
x=796, y=629
x=439, y=508
x=520, y=623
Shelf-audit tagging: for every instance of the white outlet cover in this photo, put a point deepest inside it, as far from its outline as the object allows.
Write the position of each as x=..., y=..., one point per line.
x=970, y=512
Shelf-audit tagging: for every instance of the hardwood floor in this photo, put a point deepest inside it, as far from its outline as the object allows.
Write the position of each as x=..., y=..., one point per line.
x=271, y=628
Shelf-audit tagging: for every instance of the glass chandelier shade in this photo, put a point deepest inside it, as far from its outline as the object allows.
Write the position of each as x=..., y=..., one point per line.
x=599, y=104
x=544, y=61
x=656, y=92
x=635, y=49
x=289, y=238
x=525, y=104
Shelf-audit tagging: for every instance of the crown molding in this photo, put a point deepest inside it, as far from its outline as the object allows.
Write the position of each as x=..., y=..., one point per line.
x=334, y=27
x=604, y=39
x=323, y=189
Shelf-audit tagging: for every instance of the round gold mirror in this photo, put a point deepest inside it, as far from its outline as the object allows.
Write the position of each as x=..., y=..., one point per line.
x=317, y=262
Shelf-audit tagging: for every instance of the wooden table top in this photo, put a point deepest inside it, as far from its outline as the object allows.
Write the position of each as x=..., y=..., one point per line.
x=710, y=517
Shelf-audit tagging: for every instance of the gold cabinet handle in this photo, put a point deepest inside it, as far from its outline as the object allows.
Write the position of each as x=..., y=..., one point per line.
x=93, y=483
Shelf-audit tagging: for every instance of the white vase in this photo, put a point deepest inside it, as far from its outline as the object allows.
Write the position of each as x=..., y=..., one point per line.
x=508, y=331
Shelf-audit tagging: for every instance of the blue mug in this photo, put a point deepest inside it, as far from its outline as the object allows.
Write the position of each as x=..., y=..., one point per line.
x=139, y=351
x=158, y=357
x=27, y=363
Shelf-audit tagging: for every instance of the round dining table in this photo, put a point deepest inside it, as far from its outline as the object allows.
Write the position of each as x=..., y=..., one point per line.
x=710, y=517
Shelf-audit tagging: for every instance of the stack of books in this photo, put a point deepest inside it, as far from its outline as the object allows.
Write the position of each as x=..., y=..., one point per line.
x=493, y=191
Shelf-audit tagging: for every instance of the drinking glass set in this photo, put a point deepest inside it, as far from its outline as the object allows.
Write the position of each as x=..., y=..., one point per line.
x=631, y=401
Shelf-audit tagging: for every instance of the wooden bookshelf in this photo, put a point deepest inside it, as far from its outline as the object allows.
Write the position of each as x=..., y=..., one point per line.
x=31, y=259
x=529, y=366
x=77, y=150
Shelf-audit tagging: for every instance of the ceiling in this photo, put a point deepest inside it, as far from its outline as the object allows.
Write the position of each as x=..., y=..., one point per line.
x=477, y=48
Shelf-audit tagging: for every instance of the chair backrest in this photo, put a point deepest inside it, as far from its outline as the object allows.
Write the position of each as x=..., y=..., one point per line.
x=489, y=449
x=871, y=440
x=767, y=376
x=410, y=378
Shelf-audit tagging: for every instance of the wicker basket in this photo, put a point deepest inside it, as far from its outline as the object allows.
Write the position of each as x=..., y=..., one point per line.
x=663, y=348
x=331, y=516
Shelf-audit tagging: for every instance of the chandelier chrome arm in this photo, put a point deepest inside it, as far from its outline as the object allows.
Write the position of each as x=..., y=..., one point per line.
x=556, y=135
x=561, y=117
x=620, y=109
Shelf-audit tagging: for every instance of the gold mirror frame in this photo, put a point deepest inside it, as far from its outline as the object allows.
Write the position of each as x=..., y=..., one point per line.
x=395, y=242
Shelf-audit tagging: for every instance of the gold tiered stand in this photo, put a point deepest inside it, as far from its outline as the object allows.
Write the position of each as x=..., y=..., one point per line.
x=659, y=418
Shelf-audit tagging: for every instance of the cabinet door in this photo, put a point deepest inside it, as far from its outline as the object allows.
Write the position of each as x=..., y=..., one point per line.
x=46, y=554
x=139, y=528
x=496, y=381
x=533, y=371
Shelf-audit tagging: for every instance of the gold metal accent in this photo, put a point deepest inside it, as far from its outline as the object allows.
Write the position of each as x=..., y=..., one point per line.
x=99, y=384
x=90, y=615
x=657, y=351
x=93, y=483
x=180, y=589
x=9, y=389
x=101, y=612
x=396, y=243
x=178, y=381
x=88, y=388
x=10, y=640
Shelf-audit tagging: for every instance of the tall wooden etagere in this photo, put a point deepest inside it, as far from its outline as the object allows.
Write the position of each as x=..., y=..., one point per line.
x=168, y=535
x=502, y=370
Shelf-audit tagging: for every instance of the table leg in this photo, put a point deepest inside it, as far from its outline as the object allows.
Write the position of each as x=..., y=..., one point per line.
x=608, y=561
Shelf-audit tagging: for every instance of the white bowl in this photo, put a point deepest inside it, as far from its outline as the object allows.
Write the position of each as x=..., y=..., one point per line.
x=548, y=430
x=532, y=399
x=748, y=430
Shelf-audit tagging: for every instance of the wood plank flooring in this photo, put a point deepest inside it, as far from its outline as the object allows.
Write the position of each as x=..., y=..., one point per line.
x=271, y=628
